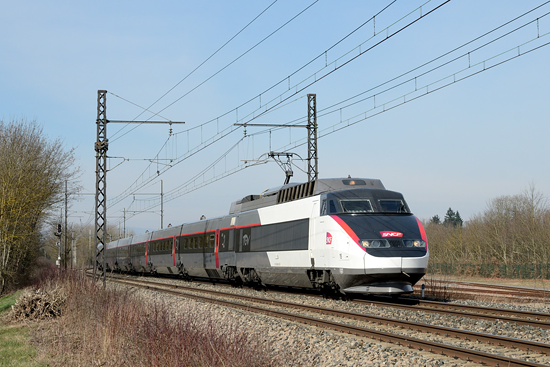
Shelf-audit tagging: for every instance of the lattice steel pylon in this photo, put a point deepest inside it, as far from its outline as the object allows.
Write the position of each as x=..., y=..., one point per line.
x=101, y=146
x=312, y=157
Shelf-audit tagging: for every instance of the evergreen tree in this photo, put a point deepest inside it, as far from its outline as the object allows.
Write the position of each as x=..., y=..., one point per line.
x=458, y=221
x=453, y=219
x=435, y=219
x=449, y=217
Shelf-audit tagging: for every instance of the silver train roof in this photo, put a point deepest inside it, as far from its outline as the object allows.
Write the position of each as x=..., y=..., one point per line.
x=295, y=191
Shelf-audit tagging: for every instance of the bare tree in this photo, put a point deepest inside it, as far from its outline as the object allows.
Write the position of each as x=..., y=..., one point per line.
x=33, y=171
x=512, y=230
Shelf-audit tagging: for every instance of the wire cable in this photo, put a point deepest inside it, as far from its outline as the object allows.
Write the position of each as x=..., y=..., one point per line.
x=226, y=66
x=331, y=110
x=120, y=197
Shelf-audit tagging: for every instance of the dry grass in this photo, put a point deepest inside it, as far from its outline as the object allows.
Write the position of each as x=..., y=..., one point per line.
x=436, y=288
x=101, y=327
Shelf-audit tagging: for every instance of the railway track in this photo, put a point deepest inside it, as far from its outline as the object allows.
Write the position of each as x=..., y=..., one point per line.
x=483, y=291
x=502, y=350
x=534, y=319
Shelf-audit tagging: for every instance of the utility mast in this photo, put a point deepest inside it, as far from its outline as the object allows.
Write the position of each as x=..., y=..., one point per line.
x=312, y=159
x=101, y=146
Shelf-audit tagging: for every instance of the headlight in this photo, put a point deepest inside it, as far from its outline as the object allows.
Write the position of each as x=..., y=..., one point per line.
x=414, y=243
x=374, y=243
x=419, y=243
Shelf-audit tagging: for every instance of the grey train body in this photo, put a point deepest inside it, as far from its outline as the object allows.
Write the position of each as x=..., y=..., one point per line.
x=339, y=235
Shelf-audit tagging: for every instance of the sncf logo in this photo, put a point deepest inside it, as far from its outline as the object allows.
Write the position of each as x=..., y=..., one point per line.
x=390, y=234
x=329, y=238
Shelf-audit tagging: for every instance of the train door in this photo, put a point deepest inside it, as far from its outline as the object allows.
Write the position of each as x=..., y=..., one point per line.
x=173, y=252
x=217, y=248
x=146, y=255
x=314, y=250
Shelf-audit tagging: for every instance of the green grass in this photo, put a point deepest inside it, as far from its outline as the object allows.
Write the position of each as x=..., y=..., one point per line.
x=15, y=346
x=7, y=301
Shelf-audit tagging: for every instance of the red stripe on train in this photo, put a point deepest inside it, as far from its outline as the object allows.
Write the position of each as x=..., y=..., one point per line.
x=348, y=230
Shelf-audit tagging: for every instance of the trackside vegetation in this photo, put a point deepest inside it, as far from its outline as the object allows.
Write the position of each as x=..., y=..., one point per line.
x=15, y=339
x=33, y=172
x=112, y=327
x=510, y=238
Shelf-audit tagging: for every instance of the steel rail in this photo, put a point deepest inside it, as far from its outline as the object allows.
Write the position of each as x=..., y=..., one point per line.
x=499, y=289
x=479, y=312
x=455, y=352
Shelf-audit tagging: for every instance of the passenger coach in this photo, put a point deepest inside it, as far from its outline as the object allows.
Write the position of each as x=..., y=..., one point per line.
x=339, y=235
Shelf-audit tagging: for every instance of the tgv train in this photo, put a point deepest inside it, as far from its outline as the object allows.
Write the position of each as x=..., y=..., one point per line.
x=347, y=235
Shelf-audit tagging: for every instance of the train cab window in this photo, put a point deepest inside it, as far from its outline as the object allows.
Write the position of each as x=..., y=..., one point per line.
x=393, y=206
x=356, y=206
x=332, y=206
x=324, y=206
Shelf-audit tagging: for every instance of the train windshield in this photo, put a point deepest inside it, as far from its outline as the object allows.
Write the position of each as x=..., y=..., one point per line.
x=393, y=206
x=356, y=206
x=364, y=201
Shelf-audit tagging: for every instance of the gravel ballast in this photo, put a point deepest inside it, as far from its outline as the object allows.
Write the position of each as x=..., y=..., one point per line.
x=312, y=346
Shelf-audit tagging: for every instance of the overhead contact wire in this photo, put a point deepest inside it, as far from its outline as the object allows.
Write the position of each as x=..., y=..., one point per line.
x=201, y=64
x=243, y=54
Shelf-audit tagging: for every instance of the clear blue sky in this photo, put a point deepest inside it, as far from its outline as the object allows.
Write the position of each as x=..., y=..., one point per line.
x=457, y=147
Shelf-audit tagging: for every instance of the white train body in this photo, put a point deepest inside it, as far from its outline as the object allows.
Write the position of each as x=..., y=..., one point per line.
x=346, y=235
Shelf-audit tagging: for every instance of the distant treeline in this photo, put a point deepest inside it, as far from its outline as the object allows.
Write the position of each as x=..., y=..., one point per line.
x=512, y=231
